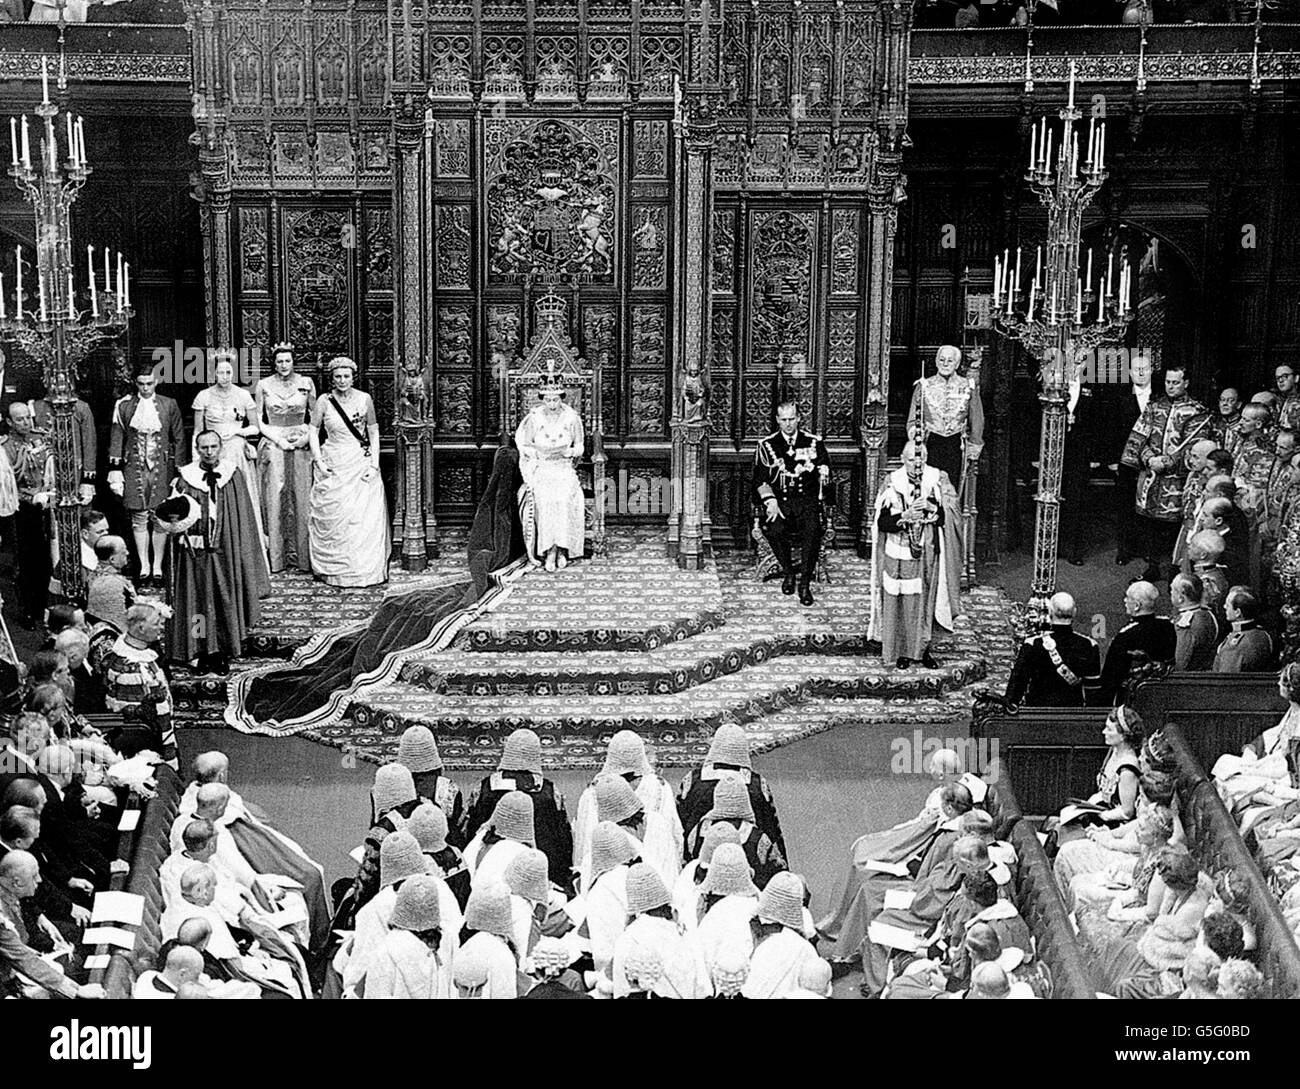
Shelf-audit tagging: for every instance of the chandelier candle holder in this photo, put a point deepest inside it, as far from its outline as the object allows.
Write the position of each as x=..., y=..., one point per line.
x=49, y=319
x=1067, y=314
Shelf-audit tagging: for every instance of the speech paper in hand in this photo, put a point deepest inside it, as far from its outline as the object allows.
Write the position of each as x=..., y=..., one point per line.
x=130, y=819
x=109, y=935
x=97, y=960
x=293, y=912
x=900, y=899
x=117, y=907
x=874, y=865
x=357, y=854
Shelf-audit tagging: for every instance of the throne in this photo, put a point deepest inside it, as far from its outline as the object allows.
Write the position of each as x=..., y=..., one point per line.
x=552, y=360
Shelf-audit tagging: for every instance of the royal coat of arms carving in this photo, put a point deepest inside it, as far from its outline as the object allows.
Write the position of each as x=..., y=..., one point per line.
x=551, y=201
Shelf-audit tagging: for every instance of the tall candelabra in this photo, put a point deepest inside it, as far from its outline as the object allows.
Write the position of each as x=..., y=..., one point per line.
x=49, y=326
x=1067, y=316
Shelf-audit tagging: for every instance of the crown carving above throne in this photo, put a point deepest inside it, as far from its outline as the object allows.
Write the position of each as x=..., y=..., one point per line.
x=551, y=363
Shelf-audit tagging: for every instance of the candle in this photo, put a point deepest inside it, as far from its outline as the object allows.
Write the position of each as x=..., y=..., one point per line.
x=27, y=154
x=13, y=137
x=1101, y=145
x=108, y=288
x=1074, y=158
x=1110, y=269
x=1017, y=283
x=1071, y=102
x=126, y=285
x=1033, y=146
x=119, y=279
x=997, y=281
x=1092, y=141
x=2, y=296
x=1047, y=158
x=72, y=147
x=45, y=80
x=1101, y=306
x=81, y=141
x=1010, y=289
x=72, y=309
x=18, y=259
x=1090, y=268
x=1042, y=140
x=1033, y=294
x=1038, y=270
x=90, y=267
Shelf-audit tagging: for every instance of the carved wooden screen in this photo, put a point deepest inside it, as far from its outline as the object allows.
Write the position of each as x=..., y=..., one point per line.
x=582, y=203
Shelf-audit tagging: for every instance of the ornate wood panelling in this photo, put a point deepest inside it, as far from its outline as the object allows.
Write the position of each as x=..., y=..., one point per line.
x=317, y=277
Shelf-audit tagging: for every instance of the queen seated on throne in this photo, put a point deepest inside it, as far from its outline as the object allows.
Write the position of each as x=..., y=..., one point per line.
x=551, y=506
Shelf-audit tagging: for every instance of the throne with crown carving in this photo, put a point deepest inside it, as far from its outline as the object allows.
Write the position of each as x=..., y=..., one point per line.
x=552, y=360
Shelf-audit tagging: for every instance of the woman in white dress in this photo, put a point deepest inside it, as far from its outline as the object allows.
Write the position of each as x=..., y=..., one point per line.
x=229, y=411
x=551, y=509
x=284, y=401
x=348, y=523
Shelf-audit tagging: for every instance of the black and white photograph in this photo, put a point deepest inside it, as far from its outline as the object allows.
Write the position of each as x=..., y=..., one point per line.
x=650, y=499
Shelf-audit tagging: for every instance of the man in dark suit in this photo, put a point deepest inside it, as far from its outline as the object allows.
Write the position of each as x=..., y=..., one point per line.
x=1146, y=637
x=1055, y=668
x=88, y=689
x=1131, y=543
x=1075, y=471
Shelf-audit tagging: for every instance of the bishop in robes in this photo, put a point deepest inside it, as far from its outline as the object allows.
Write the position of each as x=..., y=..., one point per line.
x=218, y=568
x=916, y=561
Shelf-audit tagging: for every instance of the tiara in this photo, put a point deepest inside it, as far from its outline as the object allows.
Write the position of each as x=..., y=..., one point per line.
x=281, y=346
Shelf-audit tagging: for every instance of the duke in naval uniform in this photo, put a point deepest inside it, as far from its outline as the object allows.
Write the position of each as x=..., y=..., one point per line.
x=790, y=468
x=1055, y=668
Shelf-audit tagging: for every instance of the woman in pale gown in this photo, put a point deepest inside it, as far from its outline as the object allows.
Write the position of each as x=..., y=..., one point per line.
x=284, y=401
x=230, y=411
x=551, y=508
x=348, y=522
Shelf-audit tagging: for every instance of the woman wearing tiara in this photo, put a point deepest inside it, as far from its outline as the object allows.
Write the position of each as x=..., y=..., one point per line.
x=551, y=508
x=284, y=401
x=348, y=523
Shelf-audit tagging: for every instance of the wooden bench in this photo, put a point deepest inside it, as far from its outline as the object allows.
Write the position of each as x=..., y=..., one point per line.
x=151, y=845
x=1038, y=899
x=1214, y=840
x=1218, y=712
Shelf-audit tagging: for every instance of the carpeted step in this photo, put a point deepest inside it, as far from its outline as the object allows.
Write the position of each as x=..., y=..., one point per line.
x=377, y=739
x=741, y=697
x=671, y=668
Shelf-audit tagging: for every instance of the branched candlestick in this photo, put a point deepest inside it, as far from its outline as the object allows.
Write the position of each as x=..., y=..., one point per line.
x=45, y=319
x=1064, y=317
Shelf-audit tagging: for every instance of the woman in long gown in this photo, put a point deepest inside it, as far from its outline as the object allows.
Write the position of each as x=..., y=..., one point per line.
x=1262, y=786
x=550, y=501
x=229, y=410
x=284, y=401
x=349, y=520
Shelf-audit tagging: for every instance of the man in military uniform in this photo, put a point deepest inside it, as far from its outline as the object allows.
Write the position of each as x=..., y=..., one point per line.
x=951, y=415
x=145, y=445
x=31, y=461
x=1146, y=637
x=1248, y=648
x=1157, y=448
x=791, y=467
x=1055, y=667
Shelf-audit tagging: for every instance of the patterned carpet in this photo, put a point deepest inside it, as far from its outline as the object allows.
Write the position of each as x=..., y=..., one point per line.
x=628, y=641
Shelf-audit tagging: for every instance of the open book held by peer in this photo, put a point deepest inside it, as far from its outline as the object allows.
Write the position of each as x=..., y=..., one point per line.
x=1076, y=810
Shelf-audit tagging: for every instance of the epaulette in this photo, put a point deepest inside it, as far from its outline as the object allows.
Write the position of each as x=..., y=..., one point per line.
x=122, y=400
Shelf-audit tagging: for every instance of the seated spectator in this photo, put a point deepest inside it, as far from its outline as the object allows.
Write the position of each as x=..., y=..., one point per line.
x=509, y=831
x=22, y=969
x=407, y=962
x=604, y=901
x=263, y=848
x=626, y=758
x=1197, y=629
x=1128, y=879
x=728, y=905
x=110, y=592
x=1264, y=779
x=428, y=824
x=551, y=959
x=1248, y=648
x=73, y=869
x=61, y=618
x=1131, y=969
x=181, y=965
x=51, y=11
x=418, y=752
x=652, y=928
x=653, y=834
x=1114, y=802
x=990, y=981
x=488, y=939
x=48, y=667
x=688, y=893
x=1240, y=979
x=530, y=898
x=87, y=687
x=729, y=971
x=780, y=949
x=729, y=757
x=733, y=803
x=1146, y=635
x=1231, y=897
x=393, y=800
x=1055, y=668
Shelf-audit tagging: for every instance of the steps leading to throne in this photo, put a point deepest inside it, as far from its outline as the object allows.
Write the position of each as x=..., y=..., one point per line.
x=631, y=642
